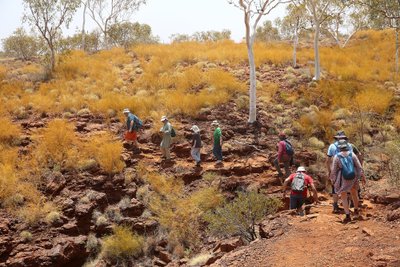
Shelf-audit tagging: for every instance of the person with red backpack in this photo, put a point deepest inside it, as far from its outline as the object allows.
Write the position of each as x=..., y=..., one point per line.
x=299, y=183
x=285, y=156
x=345, y=174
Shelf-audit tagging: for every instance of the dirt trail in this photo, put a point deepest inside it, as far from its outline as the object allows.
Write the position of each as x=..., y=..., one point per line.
x=320, y=239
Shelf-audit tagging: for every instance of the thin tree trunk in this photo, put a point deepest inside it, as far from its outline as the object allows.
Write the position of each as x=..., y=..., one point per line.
x=317, y=74
x=83, y=27
x=295, y=42
x=397, y=51
x=253, y=94
x=52, y=59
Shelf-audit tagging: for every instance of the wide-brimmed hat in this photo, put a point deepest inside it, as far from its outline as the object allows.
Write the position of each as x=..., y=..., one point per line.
x=195, y=129
x=126, y=110
x=164, y=118
x=215, y=123
x=340, y=135
x=301, y=169
x=343, y=145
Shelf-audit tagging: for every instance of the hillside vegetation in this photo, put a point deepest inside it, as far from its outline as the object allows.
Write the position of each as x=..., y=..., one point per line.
x=39, y=121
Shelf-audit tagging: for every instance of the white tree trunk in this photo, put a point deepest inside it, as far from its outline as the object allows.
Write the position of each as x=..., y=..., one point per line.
x=295, y=42
x=397, y=50
x=253, y=82
x=317, y=71
x=83, y=27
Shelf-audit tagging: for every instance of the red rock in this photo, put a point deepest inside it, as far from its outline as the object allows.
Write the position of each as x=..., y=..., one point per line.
x=393, y=215
x=229, y=244
x=55, y=183
x=164, y=256
x=134, y=209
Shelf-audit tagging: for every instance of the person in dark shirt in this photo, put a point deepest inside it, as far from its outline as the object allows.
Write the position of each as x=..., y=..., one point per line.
x=196, y=144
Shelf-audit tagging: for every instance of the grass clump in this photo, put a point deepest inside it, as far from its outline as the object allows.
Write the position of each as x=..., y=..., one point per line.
x=240, y=216
x=122, y=245
x=26, y=236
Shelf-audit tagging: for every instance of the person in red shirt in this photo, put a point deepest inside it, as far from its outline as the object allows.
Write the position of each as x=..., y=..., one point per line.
x=283, y=157
x=299, y=183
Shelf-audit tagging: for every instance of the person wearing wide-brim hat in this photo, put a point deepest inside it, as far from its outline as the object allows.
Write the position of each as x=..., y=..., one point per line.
x=133, y=125
x=196, y=145
x=334, y=150
x=166, y=140
x=217, y=141
x=344, y=183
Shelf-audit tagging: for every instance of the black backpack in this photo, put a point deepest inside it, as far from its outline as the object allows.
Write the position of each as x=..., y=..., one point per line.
x=289, y=148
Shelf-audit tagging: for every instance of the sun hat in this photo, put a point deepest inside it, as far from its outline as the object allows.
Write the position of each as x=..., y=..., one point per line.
x=343, y=145
x=340, y=135
x=215, y=123
x=126, y=110
x=301, y=169
x=164, y=118
x=195, y=129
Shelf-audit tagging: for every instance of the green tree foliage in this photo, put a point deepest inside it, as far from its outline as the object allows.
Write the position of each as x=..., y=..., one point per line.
x=204, y=36
x=240, y=216
x=92, y=42
x=21, y=45
x=127, y=34
x=49, y=16
x=267, y=32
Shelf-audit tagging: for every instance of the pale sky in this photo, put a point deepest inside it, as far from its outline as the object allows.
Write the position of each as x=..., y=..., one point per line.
x=165, y=17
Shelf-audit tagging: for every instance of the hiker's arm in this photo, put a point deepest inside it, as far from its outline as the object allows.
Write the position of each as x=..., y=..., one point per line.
x=359, y=169
x=315, y=193
x=220, y=140
x=280, y=151
x=285, y=185
x=168, y=128
x=328, y=164
x=131, y=126
x=332, y=175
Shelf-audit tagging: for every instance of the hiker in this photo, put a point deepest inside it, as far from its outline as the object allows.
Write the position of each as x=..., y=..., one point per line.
x=196, y=144
x=345, y=174
x=133, y=125
x=334, y=150
x=299, y=183
x=217, y=141
x=285, y=156
x=166, y=141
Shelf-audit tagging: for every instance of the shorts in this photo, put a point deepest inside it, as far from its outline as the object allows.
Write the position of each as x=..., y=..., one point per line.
x=296, y=201
x=130, y=136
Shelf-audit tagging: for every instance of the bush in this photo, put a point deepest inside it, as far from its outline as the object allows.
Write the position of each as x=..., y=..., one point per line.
x=106, y=152
x=122, y=245
x=52, y=217
x=21, y=45
x=8, y=131
x=240, y=216
x=92, y=244
x=393, y=151
x=26, y=236
x=315, y=143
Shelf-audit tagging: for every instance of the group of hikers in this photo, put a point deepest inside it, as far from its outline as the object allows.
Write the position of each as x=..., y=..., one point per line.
x=344, y=164
x=345, y=171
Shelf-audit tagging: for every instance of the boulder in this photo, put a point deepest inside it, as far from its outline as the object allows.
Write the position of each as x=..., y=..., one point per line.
x=228, y=245
x=55, y=183
x=275, y=227
x=134, y=209
x=393, y=215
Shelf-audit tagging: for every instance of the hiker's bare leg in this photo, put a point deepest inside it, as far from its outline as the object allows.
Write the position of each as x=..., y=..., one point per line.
x=345, y=202
x=354, y=196
x=167, y=153
x=163, y=152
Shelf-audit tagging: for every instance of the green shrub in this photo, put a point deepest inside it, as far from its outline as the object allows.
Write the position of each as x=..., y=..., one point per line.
x=240, y=216
x=26, y=236
x=123, y=244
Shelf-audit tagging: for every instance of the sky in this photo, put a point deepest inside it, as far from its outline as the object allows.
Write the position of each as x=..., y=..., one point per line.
x=166, y=17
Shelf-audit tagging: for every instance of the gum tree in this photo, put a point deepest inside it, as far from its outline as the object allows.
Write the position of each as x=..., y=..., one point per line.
x=108, y=12
x=253, y=11
x=48, y=17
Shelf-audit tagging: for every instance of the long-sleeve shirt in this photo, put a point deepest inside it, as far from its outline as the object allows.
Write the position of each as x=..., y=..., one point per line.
x=166, y=130
x=341, y=184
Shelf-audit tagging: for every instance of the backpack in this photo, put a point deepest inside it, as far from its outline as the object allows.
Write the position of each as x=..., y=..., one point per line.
x=289, y=148
x=138, y=124
x=173, y=133
x=347, y=163
x=298, y=183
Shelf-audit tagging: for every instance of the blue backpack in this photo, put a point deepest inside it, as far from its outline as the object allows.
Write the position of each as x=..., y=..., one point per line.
x=347, y=163
x=289, y=148
x=137, y=123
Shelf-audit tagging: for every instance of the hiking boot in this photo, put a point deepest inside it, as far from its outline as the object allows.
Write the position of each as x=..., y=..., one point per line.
x=347, y=219
x=336, y=209
x=198, y=164
x=356, y=212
